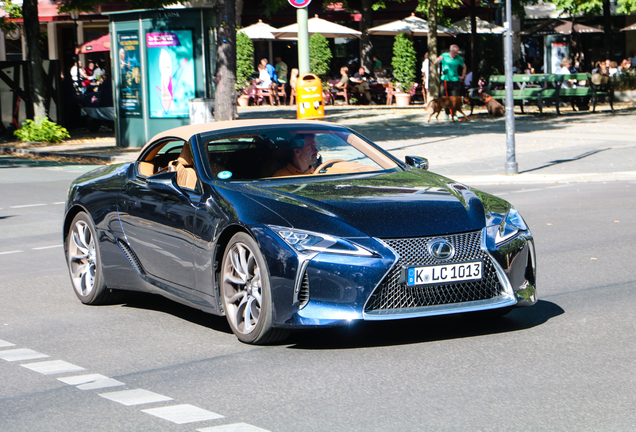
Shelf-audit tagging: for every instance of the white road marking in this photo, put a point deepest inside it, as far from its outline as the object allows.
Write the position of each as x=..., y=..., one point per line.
x=527, y=190
x=21, y=354
x=46, y=247
x=135, y=397
x=100, y=384
x=10, y=252
x=557, y=187
x=26, y=205
x=53, y=367
x=58, y=203
x=181, y=414
x=236, y=427
x=82, y=379
x=4, y=344
x=91, y=381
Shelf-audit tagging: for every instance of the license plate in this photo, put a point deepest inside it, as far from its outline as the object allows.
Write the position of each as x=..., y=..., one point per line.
x=447, y=273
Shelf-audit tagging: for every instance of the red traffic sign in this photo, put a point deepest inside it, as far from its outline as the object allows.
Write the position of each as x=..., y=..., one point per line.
x=299, y=3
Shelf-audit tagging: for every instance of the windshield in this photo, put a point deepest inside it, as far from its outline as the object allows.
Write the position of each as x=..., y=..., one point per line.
x=291, y=151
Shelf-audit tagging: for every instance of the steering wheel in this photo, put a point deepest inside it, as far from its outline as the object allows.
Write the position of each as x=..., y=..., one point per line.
x=326, y=165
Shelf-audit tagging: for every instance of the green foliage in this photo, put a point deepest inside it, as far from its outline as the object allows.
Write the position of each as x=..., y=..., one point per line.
x=319, y=56
x=403, y=61
x=12, y=11
x=625, y=80
x=593, y=7
x=41, y=130
x=244, y=60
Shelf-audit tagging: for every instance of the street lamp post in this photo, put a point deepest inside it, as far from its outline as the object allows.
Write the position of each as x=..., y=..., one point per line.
x=511, y=164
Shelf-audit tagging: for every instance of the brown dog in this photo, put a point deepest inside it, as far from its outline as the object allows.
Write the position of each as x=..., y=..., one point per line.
x=495, y=109
x=453, y=103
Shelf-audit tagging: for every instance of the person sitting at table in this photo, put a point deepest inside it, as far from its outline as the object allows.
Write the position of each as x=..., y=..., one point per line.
x=264, y=83
x=361, y=81
x=566, y=63
x=343, y=84
x=302, y=158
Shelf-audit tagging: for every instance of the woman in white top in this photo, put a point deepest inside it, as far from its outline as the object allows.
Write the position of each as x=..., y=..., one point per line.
x=565, y=70
x=264, y=80
x=425, y=76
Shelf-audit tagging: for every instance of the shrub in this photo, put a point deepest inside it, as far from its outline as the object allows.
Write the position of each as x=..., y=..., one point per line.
x=41, y=130
x=244, y=61
x=625, y=80
x=403, y=62
x=320, y=57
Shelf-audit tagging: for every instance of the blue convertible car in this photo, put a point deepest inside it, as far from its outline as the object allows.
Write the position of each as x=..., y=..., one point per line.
x=289, y=224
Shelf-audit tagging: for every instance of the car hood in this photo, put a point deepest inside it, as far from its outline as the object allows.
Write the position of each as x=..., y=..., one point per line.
x=389, y=205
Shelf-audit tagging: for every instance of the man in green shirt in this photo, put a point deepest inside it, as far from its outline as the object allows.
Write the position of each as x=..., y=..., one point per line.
x=451, y=80
x=281, y=70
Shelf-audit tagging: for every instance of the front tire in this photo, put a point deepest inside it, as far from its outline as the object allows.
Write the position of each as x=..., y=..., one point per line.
x=245, y=290
x=84, y=263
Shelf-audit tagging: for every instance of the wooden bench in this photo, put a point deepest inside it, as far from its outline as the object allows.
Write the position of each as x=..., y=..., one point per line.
x=580, y=85
x=540, y=88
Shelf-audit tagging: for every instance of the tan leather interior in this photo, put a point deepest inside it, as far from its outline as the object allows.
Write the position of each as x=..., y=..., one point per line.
x=186, y=175
x=146, y=168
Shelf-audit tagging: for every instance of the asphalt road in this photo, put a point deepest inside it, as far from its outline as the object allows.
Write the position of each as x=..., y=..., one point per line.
x=564, y=364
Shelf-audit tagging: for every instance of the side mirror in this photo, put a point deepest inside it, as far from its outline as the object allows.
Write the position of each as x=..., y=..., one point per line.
x=417, y=162
x=164, y=183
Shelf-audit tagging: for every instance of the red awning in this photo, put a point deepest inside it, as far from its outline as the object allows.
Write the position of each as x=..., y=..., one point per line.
x=101, y=44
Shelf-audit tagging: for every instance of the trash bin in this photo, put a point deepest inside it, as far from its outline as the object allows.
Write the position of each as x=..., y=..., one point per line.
x=201, y=110
x=309, y=100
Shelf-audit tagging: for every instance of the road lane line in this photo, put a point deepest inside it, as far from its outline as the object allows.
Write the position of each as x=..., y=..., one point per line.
x=46, y=247
x=135, y=397
x=182, y=414
x=235, y=427
x=11, y=252
x=53, y=367
x=526, y=190
x=4, y=344
x=21, y=354
x=91, y=381
x=59, y=203
x=557, y=187
x=27, y=205
x=82, y=379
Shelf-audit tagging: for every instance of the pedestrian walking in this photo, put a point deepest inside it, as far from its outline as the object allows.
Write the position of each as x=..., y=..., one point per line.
x=451, y=78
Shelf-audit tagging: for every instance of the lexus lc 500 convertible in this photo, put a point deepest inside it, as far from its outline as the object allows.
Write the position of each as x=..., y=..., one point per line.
x=217, y=217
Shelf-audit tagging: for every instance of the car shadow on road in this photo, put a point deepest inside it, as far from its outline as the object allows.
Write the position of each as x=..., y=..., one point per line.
x=153, y=302
x=420, y=330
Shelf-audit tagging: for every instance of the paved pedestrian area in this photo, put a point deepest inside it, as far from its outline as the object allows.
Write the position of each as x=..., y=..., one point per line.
x=572, y=147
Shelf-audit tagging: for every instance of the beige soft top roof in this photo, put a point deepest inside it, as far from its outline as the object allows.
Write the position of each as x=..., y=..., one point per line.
x=185, y=132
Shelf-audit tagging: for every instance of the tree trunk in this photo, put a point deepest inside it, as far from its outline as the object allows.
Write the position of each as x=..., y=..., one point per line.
x=433, y=81
x=34, y=59
x=607, y=27
x=239, y=12
x=226, y=95
x=366, y=46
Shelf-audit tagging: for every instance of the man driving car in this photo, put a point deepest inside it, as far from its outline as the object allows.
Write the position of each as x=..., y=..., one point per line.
x=303, y=159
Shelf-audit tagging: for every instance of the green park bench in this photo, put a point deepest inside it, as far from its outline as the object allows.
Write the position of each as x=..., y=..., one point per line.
x=539, y=88
x=581, y=86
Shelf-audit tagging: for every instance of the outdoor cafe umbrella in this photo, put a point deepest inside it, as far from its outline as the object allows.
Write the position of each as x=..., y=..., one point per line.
x=317, y=25
x=414, y=25
x=558, y=26
x=101, y=44
x=483, y=27
x=261, y=32
x=629, y=27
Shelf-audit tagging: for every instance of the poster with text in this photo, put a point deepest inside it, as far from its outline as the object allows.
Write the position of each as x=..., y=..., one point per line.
x=129, y=74
x=170, y=73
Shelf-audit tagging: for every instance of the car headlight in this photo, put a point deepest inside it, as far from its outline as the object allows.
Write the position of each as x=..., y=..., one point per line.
x=510, y=226
x=306, y=241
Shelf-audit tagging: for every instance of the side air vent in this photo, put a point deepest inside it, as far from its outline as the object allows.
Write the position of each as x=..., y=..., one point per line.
x=134, y=261
x=303, y=294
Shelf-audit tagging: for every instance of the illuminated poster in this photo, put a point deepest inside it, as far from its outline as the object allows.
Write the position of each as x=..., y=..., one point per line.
x=170, y=73
x=129, y=76
x=559, y=52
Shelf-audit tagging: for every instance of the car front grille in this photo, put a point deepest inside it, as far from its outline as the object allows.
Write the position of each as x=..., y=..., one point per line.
x=391, y=295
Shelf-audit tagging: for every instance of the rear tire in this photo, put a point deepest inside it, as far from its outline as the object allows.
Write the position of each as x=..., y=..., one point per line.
x=245, y=290
x=85, y=264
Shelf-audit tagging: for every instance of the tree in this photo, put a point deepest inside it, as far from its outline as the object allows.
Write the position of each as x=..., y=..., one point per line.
x=225, y=97
x=319, y=56
x=244, y=60
x=34, y=59
x=403, y=62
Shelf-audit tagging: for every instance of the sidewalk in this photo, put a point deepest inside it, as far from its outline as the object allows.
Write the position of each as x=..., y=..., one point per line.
x=572, y=147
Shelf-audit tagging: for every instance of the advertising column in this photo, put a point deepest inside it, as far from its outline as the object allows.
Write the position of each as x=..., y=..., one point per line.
x=170, y=73
x=129, y=74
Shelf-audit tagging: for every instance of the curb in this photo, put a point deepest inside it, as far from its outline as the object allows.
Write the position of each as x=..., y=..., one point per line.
x=45, y=153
